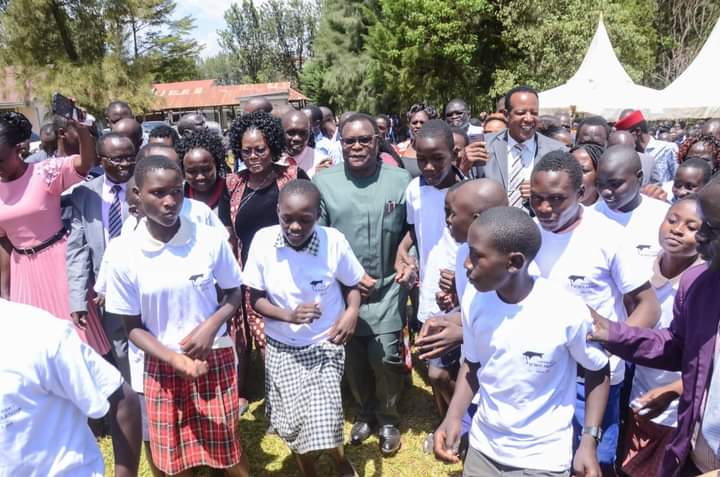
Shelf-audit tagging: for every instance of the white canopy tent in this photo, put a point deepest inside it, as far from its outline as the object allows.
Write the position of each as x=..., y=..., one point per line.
x=600, y=86
x=695, y=93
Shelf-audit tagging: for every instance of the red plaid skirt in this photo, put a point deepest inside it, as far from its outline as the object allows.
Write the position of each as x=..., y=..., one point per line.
x=644, y=447
x=193, y=423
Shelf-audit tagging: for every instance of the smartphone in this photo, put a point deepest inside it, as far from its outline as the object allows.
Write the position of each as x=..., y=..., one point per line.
x=476, y=138
x=63, y=106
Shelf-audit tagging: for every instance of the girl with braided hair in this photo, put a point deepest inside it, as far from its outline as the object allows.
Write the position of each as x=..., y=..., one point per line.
x=587, y=155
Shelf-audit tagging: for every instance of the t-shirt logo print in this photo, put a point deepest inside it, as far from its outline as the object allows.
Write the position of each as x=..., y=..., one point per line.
x=529, y=355
x=578, y=282
x=646, y=250
x=536, y=362
x=194, y=278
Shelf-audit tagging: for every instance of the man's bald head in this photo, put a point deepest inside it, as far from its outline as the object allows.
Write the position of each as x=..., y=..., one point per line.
x=158, y=150
x=130, y=128
x=190, y=122
x=282, y=110
x=621, y=138
x=258, y=104
x=481, y=194
x=619, y=178
x=711, y=128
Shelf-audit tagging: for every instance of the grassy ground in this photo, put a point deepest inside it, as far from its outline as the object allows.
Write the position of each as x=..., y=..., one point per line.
x=269, y=456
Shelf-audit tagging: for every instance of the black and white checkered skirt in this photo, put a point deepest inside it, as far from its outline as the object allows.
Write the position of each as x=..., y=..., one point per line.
x=302, y=394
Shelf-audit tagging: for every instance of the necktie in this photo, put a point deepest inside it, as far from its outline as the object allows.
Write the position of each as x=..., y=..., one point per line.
x=115, y=213
x=711, y=420
x=516, y=177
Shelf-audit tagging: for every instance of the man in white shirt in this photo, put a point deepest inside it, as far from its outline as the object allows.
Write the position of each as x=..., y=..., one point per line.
x=618, y=179
x=98, y=212
x=521, y=360
x=50, y=384
x=585, y=252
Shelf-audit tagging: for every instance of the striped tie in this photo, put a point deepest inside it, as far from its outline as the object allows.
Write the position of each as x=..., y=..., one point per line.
x=516, y=177
x=115, y=215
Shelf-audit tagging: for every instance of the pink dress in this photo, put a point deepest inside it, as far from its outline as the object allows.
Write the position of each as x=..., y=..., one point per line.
x=30, y=215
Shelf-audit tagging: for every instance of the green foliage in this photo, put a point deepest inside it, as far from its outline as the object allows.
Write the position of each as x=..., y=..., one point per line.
x=432, y=50
x=337, y=74
x=96, y=50
x=221, y=68
x=268, y=42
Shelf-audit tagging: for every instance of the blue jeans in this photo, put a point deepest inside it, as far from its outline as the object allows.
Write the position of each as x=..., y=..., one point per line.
x=607, y=447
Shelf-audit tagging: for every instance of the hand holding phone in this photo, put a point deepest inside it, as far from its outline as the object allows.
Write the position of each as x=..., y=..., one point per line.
x=65, y=107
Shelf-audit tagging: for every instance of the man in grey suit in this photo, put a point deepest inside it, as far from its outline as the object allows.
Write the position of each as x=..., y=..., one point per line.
x=98, y=210
x=509, y=156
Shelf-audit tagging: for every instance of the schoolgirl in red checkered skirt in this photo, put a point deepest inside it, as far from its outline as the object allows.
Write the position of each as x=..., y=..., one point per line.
x=163, y=281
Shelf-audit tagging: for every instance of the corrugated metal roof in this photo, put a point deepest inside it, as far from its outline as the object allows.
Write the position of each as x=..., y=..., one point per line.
x=205, y=93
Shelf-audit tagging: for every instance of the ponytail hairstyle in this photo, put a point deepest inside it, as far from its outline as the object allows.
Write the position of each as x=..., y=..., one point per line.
x=14, y=128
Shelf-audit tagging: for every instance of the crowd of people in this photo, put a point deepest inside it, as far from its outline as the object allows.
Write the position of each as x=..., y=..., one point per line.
x=554, y=278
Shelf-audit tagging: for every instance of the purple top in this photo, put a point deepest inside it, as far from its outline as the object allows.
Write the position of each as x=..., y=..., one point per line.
x=687, y=346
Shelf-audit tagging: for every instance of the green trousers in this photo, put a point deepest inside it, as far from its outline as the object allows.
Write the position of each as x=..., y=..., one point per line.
x=375, y=372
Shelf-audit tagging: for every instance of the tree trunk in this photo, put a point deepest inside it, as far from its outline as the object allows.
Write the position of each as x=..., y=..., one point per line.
x=62, y=27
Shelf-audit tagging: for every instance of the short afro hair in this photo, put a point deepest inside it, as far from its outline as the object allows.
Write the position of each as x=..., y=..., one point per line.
x=203, y=139
x=437, y=128
x=164, y=130
x=700, y=164
x=354, y=117
x=421, y=107
x=511, y=231
x=561, y=161
x=270, y=127
x=593, y=150
x=518, y=89
x=153, y=163
x=460, y=132
x=301, y=187
x=594, y=121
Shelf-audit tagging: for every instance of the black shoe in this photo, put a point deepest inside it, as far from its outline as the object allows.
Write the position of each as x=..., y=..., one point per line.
x=389, y=439
x=360, y=432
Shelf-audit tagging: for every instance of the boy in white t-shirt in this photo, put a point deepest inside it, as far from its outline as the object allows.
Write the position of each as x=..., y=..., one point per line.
x=521, y=360
x=585, y=252
x=50, y=384
x=425, y=202
x=303, y=279
x=619, y=179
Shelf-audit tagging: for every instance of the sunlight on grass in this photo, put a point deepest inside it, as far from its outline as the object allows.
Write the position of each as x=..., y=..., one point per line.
x=269, y=456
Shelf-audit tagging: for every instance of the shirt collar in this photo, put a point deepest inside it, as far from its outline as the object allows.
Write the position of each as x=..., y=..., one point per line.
x=312, y=246
x=108, y=185
x=659, y=280
x=529, y=144
x=182, y=237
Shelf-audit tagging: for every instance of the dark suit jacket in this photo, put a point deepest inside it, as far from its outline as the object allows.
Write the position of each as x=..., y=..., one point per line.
x=86, y=242
x=497, y=165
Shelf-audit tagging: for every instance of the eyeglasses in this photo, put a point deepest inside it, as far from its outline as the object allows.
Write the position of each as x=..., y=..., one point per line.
x=362, y=140
x=119, y=160
x=258, y=151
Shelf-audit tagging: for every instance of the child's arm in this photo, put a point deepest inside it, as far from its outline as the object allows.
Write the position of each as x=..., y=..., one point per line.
x=447, y=435
x=5, y=250
x=344, y=328
x=644, y=307
x=597, y=388
x=198, y=343
x=304, y=313
x=184, y=365
x=405, y=265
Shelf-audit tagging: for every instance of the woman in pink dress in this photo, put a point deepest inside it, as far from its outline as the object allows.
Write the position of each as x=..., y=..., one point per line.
x=31, y=230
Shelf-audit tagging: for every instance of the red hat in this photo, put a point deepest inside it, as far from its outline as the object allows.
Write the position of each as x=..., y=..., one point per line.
x=630, y=121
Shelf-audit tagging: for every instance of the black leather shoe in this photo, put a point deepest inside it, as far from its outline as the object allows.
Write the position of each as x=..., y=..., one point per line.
x=360, y=432
x=389, y=439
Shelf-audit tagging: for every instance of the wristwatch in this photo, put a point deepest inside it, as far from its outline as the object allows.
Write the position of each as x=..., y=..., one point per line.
x=594, y=432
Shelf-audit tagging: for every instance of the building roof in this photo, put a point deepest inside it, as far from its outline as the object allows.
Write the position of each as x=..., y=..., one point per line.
x=205, y=94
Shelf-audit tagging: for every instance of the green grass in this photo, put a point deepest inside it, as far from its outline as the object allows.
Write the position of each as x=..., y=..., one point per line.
x=269, y=456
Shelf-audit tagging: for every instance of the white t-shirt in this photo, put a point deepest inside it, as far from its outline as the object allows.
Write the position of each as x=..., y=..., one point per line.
x=171, y=285
x=648, y=378
x=441, y=257
x=425, y=206
x=642, y=227
x=195, y=210
x=528, y=354
x=50, y=384
x=308, y=160
x=592, y=262
x=291, y=278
